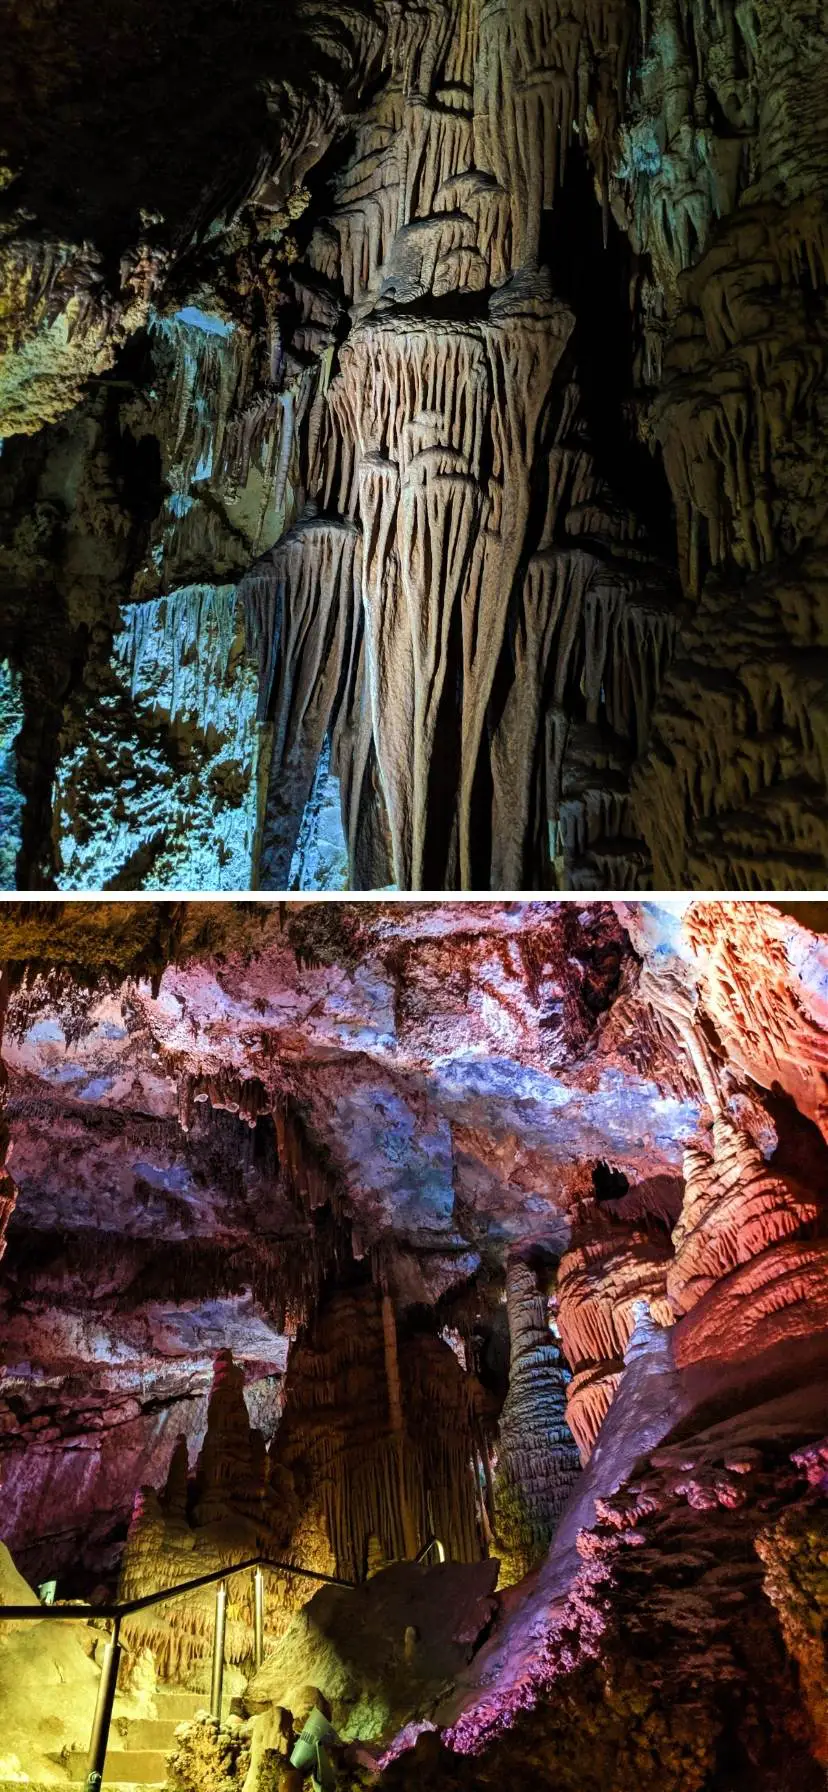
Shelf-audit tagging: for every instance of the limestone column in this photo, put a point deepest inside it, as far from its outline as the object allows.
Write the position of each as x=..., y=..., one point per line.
x=397, y=1422
x=537, y=1456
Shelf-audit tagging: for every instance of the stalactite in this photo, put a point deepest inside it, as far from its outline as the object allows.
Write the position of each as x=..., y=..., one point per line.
x=301, y=609
x=182, y=629
x=283, y=1273
x=541, y=70
x=340, y=1440
x=735, y=1209
x=211, y=374
x=537, y=1459
x=224, y=1090
x=760, y=1018
x=427, y=441
x=425, y=407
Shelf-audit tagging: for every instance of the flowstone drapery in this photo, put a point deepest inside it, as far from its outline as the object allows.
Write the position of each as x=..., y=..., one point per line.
x=456, y=460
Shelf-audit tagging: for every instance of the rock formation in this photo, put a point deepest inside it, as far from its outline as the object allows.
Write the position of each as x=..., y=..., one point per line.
x=345, y=1230
x=426, y=488
x=8, y=1192
x=380, y=1465
x=537, y=1460
x=664, y=1664
x=604, y=1276
x=380, y=1654
x=330, y=1495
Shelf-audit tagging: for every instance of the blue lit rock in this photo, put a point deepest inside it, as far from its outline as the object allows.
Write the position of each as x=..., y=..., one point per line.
x=11, y=801
x=168, y=797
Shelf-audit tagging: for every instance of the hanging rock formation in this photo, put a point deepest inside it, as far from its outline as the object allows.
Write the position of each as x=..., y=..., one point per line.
x=341, y=1441
x=739, y=415
x=352, y=1142
x=430, y=492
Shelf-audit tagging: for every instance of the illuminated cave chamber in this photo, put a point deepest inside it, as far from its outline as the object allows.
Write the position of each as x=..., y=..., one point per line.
x=425, y=487
x=339, y=1237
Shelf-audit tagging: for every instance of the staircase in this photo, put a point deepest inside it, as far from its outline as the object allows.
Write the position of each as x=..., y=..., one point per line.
x=139, y=1746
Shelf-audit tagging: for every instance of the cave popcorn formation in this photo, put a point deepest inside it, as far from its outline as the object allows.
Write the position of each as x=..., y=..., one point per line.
x=342, y=1236
x=432, y=496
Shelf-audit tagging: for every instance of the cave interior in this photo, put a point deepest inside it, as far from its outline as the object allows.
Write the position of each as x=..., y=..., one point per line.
x=465, y=1267
x=413, y=445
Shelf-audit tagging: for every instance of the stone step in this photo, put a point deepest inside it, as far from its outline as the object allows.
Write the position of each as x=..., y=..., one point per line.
x=124, y=1766
x=144, y=1732
x=178, y=1706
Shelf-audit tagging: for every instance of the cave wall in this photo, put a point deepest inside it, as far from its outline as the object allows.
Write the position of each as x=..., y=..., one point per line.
x=416, y=1094
x=551, y=1269
x=446, y=505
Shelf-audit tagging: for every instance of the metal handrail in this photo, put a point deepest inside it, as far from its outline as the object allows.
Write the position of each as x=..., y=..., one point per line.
x=126, y=1607
x=433, y=1543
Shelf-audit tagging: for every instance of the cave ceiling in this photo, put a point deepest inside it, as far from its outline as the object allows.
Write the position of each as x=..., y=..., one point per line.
x=413, y=470
x=452, y=1076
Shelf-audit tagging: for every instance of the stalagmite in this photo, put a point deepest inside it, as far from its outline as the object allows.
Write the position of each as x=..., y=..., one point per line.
x=604, y=1276
x=230, y=1473
x=537, y=1459
x=238, y=1506
x=176, y=1486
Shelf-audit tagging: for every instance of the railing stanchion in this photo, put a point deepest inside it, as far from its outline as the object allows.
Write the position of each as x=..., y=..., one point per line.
x=103, y=1711
x=218, y=1651
x=258, y=1617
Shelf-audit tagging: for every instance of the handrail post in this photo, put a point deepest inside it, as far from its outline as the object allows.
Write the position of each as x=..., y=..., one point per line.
x=103, y=1711
x=433, y=1543
x=258, y=1617
x=218, y=1651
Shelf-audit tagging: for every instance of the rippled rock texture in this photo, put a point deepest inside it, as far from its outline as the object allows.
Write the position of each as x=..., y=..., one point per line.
x=423, y=484
x=334, y=1231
